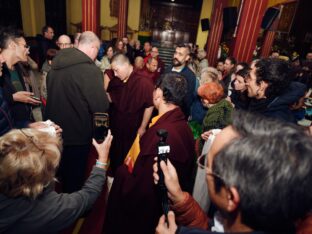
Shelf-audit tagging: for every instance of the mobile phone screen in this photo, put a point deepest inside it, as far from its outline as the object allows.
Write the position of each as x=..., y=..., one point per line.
x=100, y=126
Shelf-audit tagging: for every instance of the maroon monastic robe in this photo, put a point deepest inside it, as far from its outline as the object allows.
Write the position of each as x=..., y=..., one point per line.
x=134, y=204
x=129, y=101
x=151, y=76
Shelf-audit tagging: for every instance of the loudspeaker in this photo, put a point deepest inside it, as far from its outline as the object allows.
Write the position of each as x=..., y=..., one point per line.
x=229, y=17
x=205, y=26
x=269, y=17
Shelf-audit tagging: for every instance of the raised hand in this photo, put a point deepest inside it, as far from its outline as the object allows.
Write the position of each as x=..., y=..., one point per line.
x=175, y=192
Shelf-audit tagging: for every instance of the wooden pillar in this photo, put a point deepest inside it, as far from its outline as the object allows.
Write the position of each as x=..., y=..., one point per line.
x=91, y=16
x=122, y=18
x=269, y=37
x=267, y=44
x=214, y=36
x=248, y=29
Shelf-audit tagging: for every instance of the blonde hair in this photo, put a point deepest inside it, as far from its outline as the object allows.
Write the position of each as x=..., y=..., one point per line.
x=208, y=74
x=28, y=160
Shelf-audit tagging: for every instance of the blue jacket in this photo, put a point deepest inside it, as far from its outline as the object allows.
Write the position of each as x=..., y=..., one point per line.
x=191, y=92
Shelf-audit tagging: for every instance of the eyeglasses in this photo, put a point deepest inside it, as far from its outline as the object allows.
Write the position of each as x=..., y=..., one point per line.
x=201, y=163
x=31, y=139
x=64, y=44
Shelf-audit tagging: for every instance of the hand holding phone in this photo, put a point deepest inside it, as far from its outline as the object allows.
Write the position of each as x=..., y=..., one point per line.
x=163, y=151
x=36, y=100
x=100, y=126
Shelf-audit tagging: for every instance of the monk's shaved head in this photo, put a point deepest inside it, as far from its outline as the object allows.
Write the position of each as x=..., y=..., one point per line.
x=120, y=59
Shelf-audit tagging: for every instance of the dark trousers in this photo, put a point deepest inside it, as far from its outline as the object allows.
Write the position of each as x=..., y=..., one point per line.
x=72, y=169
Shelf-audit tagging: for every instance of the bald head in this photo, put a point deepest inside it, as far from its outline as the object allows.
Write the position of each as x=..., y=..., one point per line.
x=64, y=42
x=87, y=38
x=89, y=43
x=120, y=59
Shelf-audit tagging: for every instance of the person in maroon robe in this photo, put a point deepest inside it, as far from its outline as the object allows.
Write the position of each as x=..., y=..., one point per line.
x=150, y=70
x=155, y=54
x=131, y=107
x=134, y=203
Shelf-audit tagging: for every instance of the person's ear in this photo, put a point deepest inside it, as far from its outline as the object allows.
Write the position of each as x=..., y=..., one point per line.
x=11, y=45
x=187, y=57
x=233, y=199
x=263, y=86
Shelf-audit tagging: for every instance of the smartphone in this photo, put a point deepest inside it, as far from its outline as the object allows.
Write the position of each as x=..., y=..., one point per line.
x=36, y=98
x=100, y=125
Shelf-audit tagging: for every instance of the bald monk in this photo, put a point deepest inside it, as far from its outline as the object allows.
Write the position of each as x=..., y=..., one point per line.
x=150, y=70
x=134, y=205
x=131, y=107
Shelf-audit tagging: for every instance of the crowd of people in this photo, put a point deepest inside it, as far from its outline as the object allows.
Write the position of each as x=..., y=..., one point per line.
x=237, y=120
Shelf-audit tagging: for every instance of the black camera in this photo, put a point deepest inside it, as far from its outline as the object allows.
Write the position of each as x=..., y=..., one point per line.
x=163, y=150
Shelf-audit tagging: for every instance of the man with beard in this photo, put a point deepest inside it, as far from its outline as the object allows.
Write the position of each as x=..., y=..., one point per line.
x=179, y=64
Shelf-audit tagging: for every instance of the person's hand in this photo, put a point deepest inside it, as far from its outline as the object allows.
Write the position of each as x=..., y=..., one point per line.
x=164, y=228
x=141, y=131
x=25, y=97
x=228, y=98
x=205, y=135
x=37, y=125
x=58, y=129
x=103, y=148
x=175, y=192
x=47, y=126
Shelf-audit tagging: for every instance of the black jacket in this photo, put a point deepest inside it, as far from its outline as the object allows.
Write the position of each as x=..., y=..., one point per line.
x=75, y=92
x=44, y=45
x=6, y=121
x=278, y=107
x=50, y=212
x=20, y=111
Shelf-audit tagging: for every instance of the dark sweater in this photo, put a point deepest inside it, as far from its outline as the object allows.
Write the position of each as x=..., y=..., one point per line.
x=75, y=92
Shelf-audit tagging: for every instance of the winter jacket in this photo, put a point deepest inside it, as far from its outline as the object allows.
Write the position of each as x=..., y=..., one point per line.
x=75, y=92
x=278, y=107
